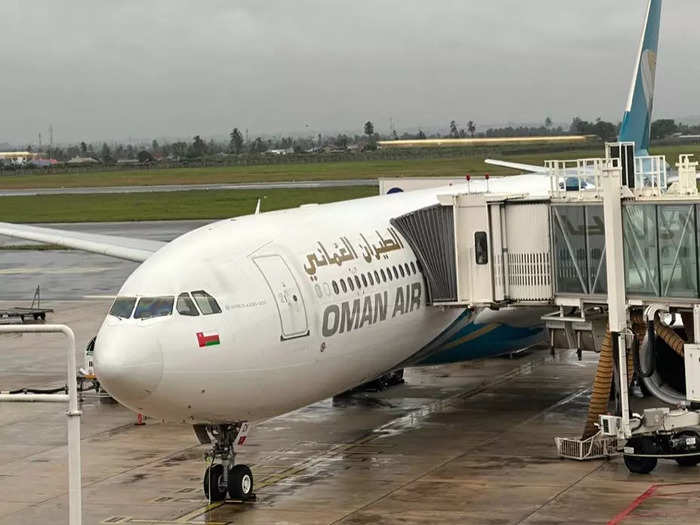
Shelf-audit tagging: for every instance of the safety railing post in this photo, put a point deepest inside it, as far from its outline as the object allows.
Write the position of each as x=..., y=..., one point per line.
x=73, y=413
x=617, y=301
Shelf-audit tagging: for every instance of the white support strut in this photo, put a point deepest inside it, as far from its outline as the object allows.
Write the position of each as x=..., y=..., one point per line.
x=617, y=308
x=73, y=413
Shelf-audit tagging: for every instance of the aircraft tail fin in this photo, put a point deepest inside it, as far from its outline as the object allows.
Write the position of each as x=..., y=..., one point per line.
x=636, y=121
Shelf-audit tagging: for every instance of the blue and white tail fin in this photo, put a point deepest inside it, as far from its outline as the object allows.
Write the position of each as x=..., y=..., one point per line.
x=636, y=121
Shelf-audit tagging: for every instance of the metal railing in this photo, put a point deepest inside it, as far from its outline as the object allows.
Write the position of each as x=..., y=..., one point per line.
x=650, y=174
x=566, y=176
x=571, y=178
x=73, y=413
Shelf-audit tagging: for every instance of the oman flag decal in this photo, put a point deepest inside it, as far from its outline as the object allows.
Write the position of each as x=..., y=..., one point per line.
x=207, y=339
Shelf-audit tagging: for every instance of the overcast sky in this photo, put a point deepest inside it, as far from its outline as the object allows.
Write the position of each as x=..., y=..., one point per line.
x=112, y=69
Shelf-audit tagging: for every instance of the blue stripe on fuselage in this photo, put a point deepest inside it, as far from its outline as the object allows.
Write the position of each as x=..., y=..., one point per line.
x=478, y=340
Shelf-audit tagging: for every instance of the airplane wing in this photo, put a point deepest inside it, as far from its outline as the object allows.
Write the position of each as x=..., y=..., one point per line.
x=120, y=247
x=529, y=168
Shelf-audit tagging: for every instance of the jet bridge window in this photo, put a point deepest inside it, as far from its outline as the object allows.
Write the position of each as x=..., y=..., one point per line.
x=207, y=304
x=122, y=307
x=185, y=305
x=150, y=307
x=481, y=248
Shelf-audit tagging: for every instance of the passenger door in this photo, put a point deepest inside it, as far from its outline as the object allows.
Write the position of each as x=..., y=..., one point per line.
x=288, y=298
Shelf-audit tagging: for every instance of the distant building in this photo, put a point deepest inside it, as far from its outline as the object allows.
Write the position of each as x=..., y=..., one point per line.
x=483, y=141
x=83, y=160
x=127, y=162
x=285, y=151
x=17, y=158
x=43, y=163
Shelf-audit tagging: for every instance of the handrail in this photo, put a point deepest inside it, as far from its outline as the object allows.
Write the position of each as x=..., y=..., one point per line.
x=73, y=413
x=569, y=178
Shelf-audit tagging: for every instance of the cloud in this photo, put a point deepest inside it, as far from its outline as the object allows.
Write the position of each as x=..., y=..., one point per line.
x=99, y=70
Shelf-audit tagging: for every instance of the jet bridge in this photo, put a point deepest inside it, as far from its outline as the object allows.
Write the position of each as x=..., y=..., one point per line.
x=614, y=247
x=484, y=249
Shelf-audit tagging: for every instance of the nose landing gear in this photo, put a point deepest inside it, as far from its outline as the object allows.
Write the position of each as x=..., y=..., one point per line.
x=223, y=476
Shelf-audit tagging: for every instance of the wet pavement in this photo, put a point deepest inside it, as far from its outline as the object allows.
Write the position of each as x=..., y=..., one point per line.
x=71, y=274
x=467, y=443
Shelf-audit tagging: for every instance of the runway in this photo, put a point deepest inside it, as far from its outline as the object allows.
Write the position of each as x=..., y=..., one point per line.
x=467, y=443
x=309, y=184
x=71, y=274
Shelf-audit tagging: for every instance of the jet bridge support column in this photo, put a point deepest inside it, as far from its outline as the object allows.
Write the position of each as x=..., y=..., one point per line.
x=617, y=309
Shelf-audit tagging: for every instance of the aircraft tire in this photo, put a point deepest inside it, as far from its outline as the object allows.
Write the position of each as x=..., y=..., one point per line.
x=212, y=483
x=240, y=482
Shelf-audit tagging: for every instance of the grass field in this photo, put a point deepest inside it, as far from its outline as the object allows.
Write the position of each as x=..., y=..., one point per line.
x=431, y=167
x=165, y=205
x=371, y=169
x=220, y=204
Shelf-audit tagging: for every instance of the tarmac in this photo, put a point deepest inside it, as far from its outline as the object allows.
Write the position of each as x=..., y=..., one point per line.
x=467, y=443
x=71, y=274
x=302, y=184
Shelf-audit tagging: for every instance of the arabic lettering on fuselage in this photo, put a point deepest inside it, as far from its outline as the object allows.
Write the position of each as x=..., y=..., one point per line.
x=343, y=250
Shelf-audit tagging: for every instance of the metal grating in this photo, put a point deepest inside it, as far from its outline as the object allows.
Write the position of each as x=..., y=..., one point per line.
x=430, y=233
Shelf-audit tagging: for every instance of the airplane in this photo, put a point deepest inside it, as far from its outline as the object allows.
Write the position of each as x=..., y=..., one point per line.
x=248, y=318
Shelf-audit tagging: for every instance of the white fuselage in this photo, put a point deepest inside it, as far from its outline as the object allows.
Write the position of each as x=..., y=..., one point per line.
x=291, y=331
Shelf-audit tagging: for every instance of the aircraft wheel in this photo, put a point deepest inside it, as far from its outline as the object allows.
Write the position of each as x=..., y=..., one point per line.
x=640, y=465
x=689, y=461
x=213, y=478
x=240, y=482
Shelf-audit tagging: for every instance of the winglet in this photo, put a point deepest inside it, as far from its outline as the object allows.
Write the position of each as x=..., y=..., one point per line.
x=636, y=121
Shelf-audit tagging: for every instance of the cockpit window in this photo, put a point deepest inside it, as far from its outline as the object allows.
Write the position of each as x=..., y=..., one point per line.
x=122, y=307
x=149, y=307
x=207, y=304
x=185, y=305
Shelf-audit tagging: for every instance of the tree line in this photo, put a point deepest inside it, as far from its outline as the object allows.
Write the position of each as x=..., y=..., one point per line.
x=239, y=144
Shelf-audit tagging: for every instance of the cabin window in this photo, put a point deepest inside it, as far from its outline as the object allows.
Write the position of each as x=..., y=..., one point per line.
x=350, y=284
x=376, y=277
x=364, y=280
x=383, y=275
x=335, y=288
x=185, y=305
x=408, y=268
x=370, y=278
x=343, y=285
x=319, y=292
x=327, y=289
x=122, y=307
x=396, y=273
x=207, y=304
x=403, y=274
x=388, y=274
x=481, y=248
x=357, y=282
x=150, y=307
x=413, y=268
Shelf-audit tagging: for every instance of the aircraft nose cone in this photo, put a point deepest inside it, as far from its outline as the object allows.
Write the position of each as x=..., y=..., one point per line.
x=128, y=362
